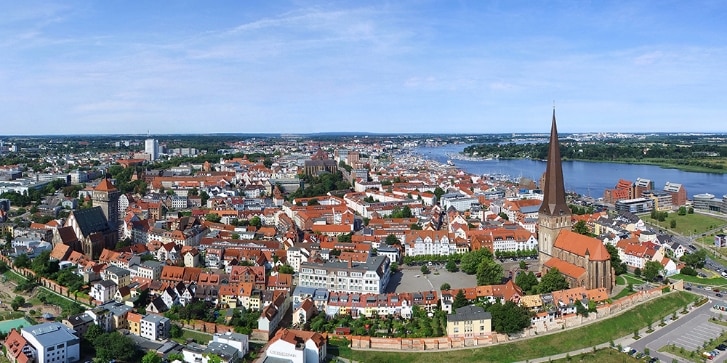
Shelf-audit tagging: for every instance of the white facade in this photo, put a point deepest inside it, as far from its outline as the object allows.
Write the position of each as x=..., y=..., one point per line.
x=429, y=245
x=154, y=327
x=305, y=352
x=369, y=277
x=235, y=340
x=53, y=342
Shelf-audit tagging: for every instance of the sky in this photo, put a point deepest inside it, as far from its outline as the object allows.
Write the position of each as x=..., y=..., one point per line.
x=191, y=67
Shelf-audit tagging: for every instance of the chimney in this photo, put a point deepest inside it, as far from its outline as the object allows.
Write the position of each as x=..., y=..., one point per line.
x=349, y=264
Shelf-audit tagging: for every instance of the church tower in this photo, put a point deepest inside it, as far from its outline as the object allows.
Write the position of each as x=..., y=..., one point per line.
x=554, y=214
x=106, y=196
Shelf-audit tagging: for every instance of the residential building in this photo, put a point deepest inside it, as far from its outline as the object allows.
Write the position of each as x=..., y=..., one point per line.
x=79, y=323
x=53, y=342
x=17, y=349
x=103, y=291
x=439, y=243
x=155, y=327
x=297, y=346
x=235, y=340
x=468, y=322
x=371, y=276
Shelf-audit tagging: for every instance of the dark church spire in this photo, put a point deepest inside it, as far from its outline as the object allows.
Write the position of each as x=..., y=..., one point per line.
x=554, y=203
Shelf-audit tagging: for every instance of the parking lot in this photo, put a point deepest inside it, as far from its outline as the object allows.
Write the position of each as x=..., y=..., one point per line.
x=411, y=279
x=695, y=338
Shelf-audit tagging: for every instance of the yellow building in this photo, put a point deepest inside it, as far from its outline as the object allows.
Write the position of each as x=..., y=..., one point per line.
x=468, y=322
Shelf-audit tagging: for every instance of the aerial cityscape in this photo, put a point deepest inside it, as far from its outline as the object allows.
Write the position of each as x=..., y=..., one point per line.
x=387, y=182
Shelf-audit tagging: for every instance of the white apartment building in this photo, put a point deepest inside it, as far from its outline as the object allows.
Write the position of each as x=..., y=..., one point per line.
x=371, y=276
x=53, y=342
x=155, y=327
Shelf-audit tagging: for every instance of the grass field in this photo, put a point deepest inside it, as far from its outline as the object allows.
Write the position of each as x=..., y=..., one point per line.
x=543, y=346
x=199, y=337
x=689, y=224
x=715, y=281
x=601, y=356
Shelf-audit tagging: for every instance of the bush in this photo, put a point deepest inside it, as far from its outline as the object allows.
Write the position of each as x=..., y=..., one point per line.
x=686, y=270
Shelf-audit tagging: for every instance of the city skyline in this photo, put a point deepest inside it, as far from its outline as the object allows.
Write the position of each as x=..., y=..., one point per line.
x=405, y=67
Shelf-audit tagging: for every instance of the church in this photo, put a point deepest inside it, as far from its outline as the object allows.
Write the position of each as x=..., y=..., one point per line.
x=93, y=229
x=583, y=260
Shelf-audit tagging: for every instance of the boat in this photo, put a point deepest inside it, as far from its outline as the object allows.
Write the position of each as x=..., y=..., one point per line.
x=450, y=163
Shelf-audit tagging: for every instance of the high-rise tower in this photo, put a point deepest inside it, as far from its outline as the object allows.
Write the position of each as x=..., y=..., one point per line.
x=554, y=214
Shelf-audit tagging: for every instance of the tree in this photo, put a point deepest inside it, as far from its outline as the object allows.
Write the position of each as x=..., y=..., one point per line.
x=618, y=266
x=438, y=192
x=445, y=286
x=581, y=227
x=553, y=280
x=424, y=269
x=394, y=267
x=451, y=266
x=151, y=357
x=286, y=269
x=696, y=259
x=652, y=269
x=682, y=211
x=637, y=272
x=489, y=272
x=673, y=224
x=175, y=331
x=523, y=265
x=22, y=261
x=460, y=300
x=255, y=221
x=392, y=240
x=526, y=281
x=17, y=303
x=508, y=318
x=213, y=217
x=504, y=216
x=344, y=237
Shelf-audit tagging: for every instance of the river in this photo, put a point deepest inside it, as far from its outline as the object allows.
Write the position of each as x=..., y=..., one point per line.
x=585, y=177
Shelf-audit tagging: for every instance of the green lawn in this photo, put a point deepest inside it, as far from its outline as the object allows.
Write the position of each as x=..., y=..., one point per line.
x=715, y=281
x=631, y=279
x=620, y=280
x=199, y=337
x=687, y=225
x=543, y=346
x=624, y=292
x=600, y=356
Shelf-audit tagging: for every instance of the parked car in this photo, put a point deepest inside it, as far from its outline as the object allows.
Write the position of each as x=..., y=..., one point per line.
x=719, y=294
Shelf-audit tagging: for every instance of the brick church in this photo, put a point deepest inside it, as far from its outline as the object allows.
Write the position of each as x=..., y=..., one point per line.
x=583, y=260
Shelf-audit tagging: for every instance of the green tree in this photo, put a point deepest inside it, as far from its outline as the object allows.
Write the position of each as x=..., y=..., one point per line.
x=682, y=211
x=17, y=303
x=22, y=261
x=176, y=331
x=696, y=259
x=504, y=216
x=255, y=221
x=652, y=269
x=451, y=266
x=394, y=267
x=508, y=318
x=526, y=281
x=286, y=269
x=213, y=217
x=151, y=357
x=581, y=227
x=637, y=272
x=460, y=300
x=489, y=272
x=673, y=224
x=445, y=286
x=392, y=240
x=424, y=269
x=553, y=280
x=523, y=265
x=616, y=263
x=438, y=192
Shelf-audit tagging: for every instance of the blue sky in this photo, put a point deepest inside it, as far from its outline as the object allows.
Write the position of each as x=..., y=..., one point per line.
x=91, y=67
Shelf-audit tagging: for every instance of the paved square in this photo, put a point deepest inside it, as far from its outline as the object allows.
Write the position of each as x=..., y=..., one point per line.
x=411, y=279
x=693, y=339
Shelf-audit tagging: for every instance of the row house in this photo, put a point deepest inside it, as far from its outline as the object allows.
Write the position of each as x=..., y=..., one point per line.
x=120, y=276
x=368, y=305
x=487, y=293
